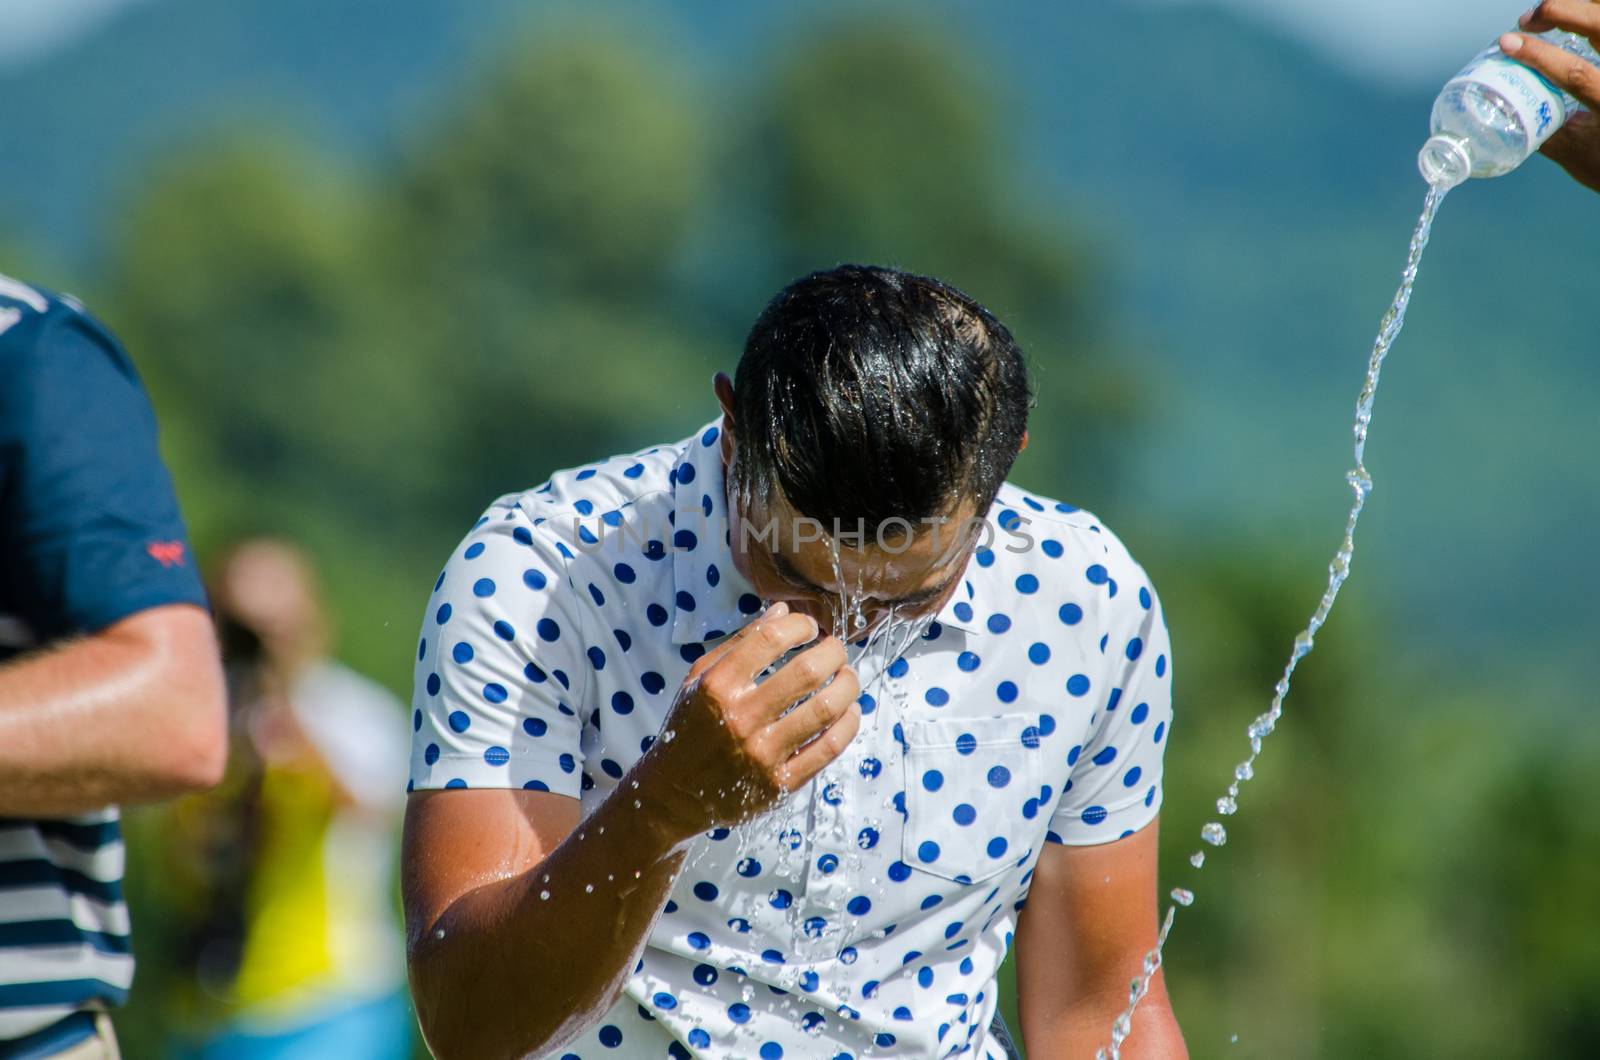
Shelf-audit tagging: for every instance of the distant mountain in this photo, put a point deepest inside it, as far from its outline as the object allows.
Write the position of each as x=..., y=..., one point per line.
x=1254, y=201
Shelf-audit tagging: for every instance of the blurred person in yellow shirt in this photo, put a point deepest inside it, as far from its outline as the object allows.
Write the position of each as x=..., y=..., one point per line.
x=297, y=935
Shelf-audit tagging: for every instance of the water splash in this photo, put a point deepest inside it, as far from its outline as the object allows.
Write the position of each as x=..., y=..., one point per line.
x=1338, y=570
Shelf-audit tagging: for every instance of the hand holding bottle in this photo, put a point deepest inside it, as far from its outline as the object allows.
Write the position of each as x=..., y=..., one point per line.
x=1576, y=146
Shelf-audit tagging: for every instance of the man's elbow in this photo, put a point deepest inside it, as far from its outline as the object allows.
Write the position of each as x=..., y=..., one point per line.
x=201, y=757
x=455, y=1022
x=200, y=753
x=187, y=700
x=448, y=1037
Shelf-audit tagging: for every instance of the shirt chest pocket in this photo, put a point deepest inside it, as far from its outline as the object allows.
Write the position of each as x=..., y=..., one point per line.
x=970, y=786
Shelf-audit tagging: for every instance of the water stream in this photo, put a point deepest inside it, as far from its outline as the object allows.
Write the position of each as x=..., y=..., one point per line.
x=1214, y=834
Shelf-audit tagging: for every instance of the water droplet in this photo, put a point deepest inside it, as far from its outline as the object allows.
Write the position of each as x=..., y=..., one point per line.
x=1227, y=806
x=1198, y=858
x=1182, y=897
x=544, y=896
x=588, y=888
x=1214, y=834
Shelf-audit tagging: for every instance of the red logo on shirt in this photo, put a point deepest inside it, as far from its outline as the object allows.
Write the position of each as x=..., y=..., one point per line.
x=167, y=553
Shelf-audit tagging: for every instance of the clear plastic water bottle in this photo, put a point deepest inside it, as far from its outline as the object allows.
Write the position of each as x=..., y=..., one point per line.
x=1493, y=115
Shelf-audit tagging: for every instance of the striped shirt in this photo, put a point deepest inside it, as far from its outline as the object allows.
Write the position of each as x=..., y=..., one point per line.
x=89, y=535
x=64, y=941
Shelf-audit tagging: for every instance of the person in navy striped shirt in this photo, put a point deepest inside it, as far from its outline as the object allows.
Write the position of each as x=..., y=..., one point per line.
x=111, y=690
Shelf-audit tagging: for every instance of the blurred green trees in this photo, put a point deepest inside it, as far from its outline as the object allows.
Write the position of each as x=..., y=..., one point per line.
x=550, y=271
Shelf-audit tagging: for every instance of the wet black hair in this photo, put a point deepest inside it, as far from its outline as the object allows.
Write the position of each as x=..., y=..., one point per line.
x=866, y=393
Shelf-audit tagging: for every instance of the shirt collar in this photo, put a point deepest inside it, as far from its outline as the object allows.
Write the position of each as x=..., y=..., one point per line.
x=961, y=610
x=719, y=598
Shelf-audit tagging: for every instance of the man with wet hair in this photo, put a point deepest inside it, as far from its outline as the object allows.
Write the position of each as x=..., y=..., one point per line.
x=770, y=741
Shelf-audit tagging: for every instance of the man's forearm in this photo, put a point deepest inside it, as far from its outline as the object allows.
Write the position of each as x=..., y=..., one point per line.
x=130, y=714
x=1082, y=1029
x=523, y=965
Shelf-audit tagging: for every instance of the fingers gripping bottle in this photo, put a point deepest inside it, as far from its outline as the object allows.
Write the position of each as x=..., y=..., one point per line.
x=1492, y=116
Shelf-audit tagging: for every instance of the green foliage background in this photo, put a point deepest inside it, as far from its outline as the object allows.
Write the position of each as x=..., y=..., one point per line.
x=551, y=265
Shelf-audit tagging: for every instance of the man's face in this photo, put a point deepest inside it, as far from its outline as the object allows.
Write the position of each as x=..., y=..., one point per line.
x=787, y=556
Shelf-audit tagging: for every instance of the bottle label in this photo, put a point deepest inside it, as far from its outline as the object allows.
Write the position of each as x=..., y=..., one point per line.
x=1540, y=106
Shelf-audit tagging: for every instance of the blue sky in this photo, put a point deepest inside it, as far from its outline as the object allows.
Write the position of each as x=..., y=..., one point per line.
x=31, y=27
x=1404, y=41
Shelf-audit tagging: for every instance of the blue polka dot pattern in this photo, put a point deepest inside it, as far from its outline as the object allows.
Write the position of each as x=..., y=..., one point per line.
x=1033, y=709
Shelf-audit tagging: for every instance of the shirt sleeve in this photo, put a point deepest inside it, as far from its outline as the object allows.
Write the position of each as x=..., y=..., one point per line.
x=1115, y=785
x=91, y=527
x=498, y=672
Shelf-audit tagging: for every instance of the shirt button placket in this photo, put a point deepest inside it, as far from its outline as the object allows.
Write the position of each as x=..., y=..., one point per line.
x=827, y=883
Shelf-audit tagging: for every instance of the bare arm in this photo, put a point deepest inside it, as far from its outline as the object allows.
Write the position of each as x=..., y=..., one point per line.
x=1081, y=938
x=523, y=925
x=130, y=714
x=510, y=912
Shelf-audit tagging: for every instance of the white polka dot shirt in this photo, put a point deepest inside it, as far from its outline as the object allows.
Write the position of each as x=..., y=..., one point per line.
x=868, y=914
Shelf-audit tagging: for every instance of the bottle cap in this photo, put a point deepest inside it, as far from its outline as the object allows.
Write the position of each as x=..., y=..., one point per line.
x=1445, y=161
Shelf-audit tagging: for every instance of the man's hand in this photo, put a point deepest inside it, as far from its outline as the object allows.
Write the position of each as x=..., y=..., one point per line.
x=732, y=748
x=1576, y=145
x=524, y=924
